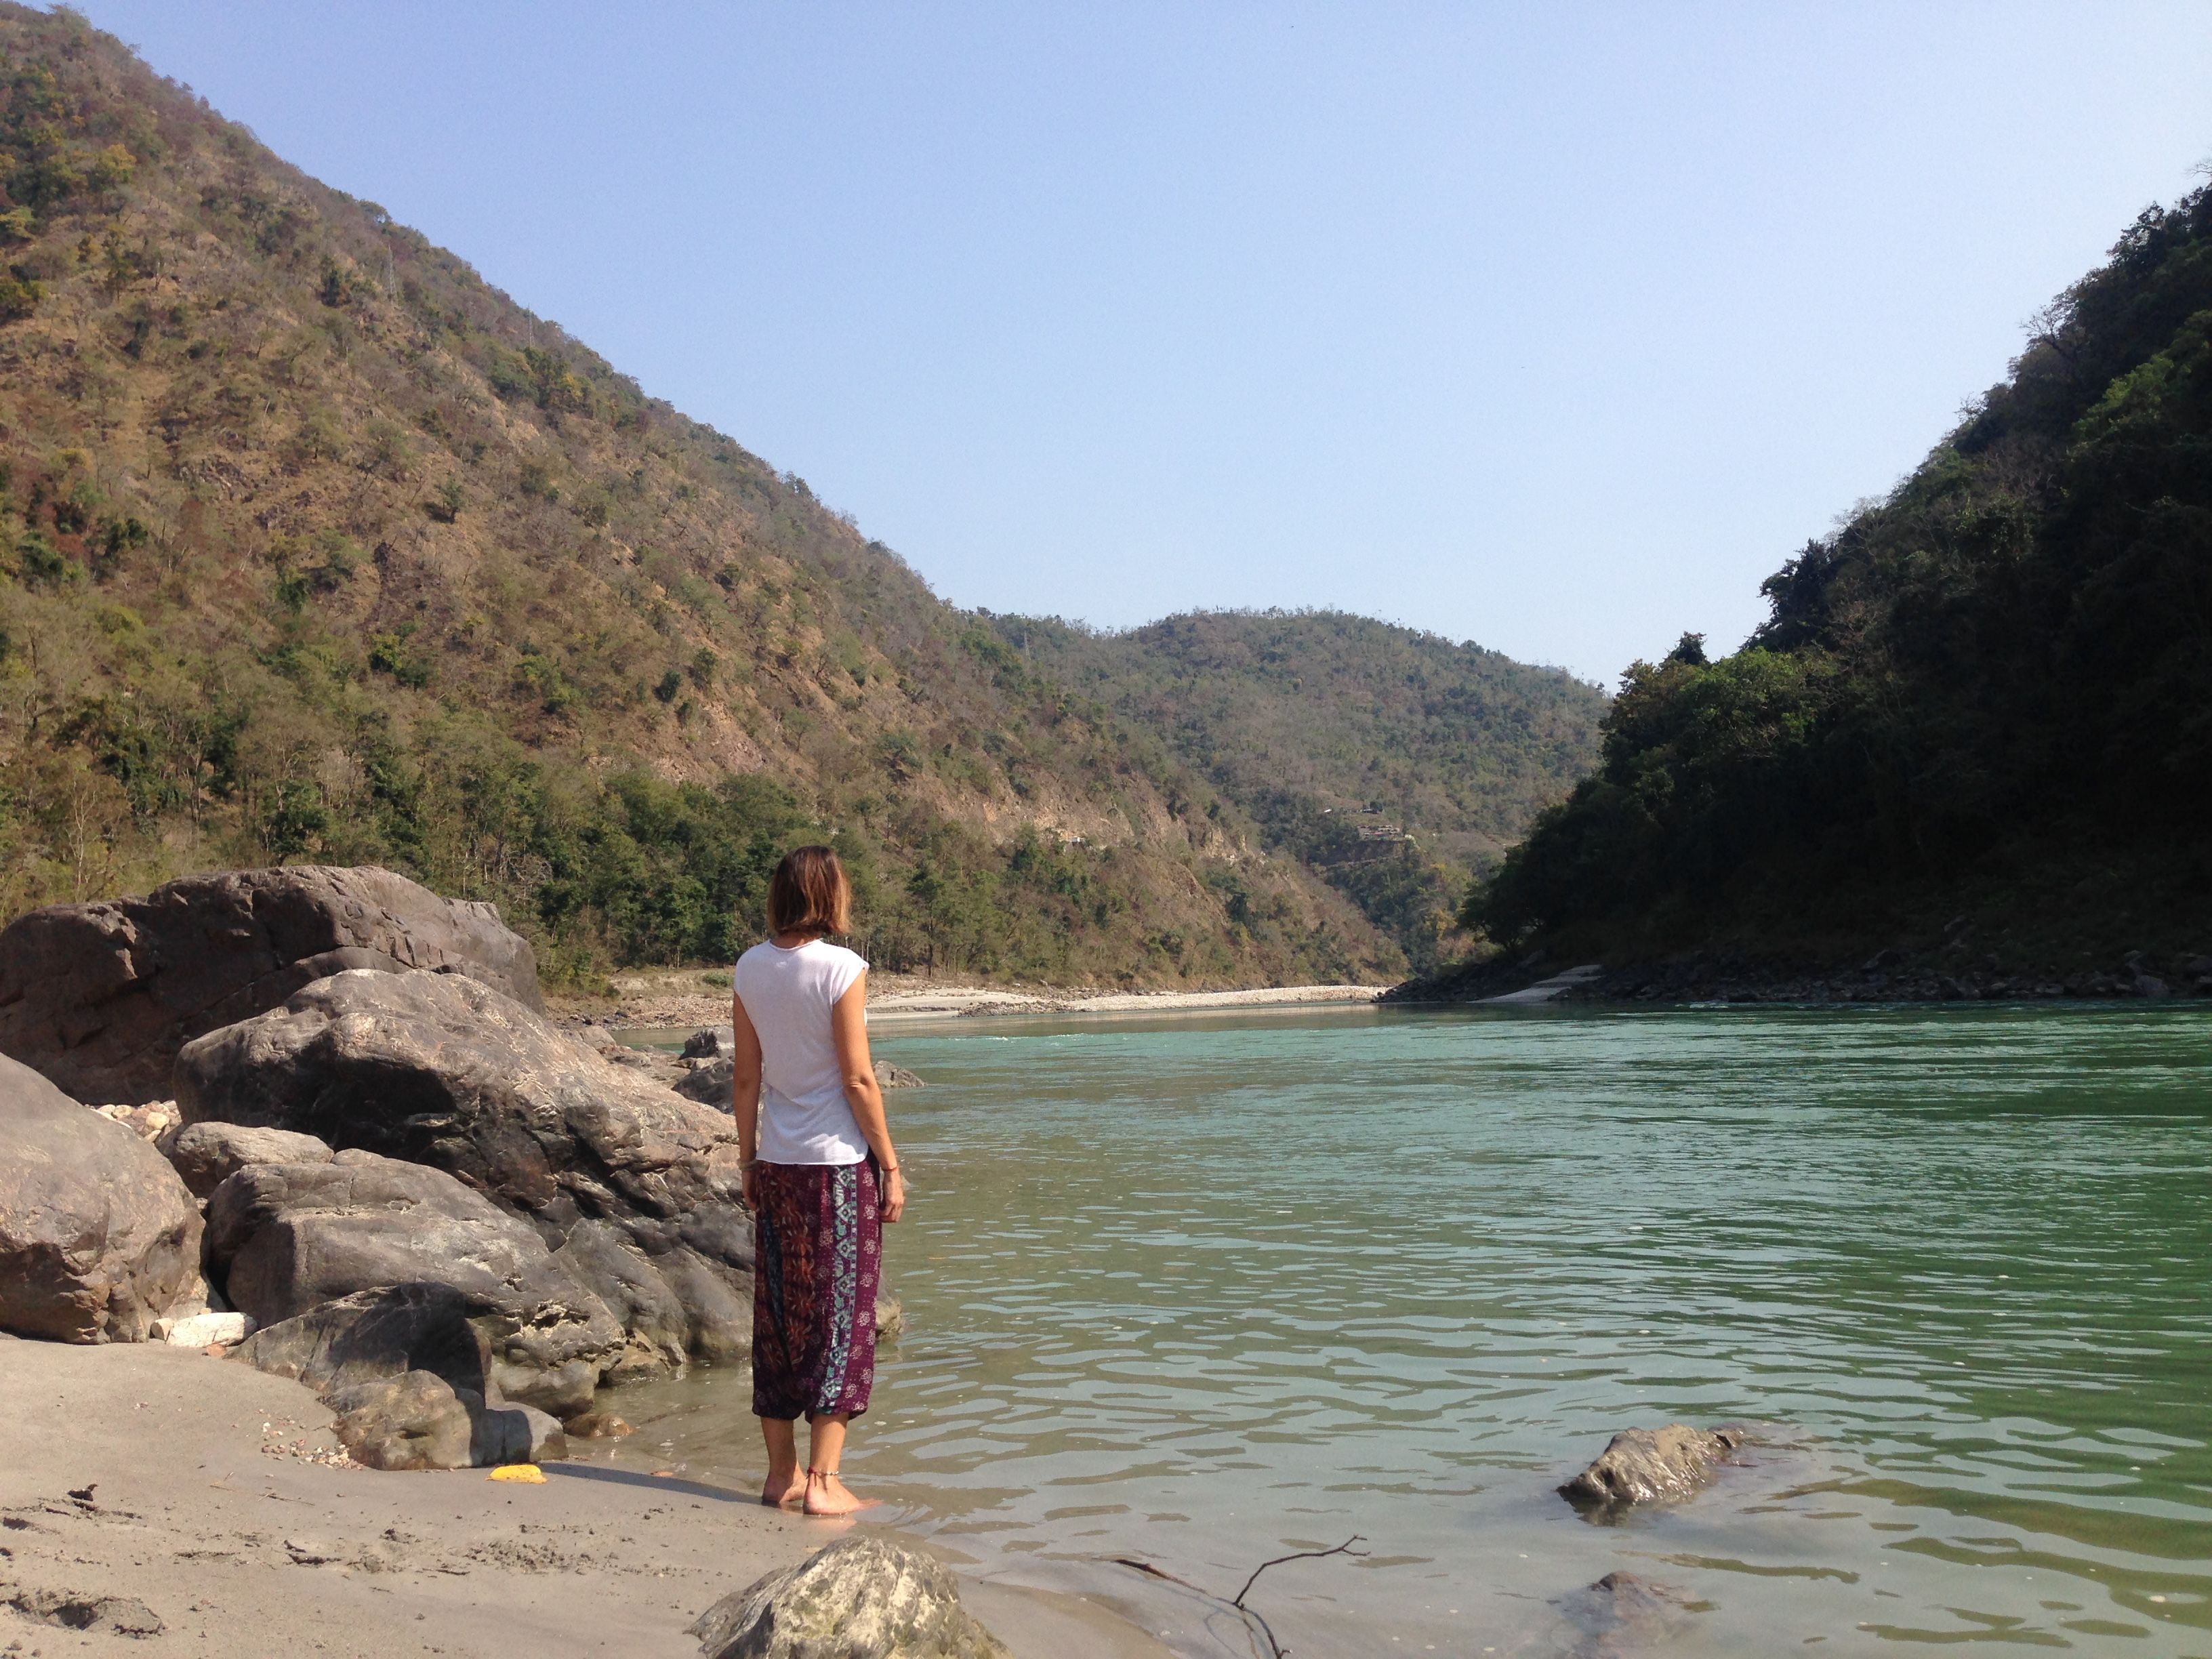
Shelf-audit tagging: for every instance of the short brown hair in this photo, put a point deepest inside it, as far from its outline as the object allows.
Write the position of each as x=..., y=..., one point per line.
x=809, y=894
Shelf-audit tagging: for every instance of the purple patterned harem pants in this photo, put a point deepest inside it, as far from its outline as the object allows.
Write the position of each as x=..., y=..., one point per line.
x=819, y=1252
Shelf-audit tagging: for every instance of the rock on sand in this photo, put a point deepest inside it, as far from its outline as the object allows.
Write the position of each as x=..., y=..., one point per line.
x=98, y=1236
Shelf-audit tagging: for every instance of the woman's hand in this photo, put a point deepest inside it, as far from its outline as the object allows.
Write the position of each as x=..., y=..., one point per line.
x=751, y=1186
x=893, y=1205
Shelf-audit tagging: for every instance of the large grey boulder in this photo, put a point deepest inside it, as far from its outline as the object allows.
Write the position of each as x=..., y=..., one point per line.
x=98, y=1236
x=859, y=1598
x=283, y=1238
x=100, y=997
x=374, y=1335
x=439, y=1070
x=1646, y=1466
x=207, y=1154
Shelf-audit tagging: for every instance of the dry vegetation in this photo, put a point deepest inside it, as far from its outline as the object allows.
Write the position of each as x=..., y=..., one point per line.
x=314, y=546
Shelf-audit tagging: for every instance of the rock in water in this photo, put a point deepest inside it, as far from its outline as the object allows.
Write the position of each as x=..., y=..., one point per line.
x=597, y=1426
x=859, y=1598
x=207, y=1154
x=100, y=997
x=98, y=1236
x=1645, y=1466
x=437, y=1070
x=1622, y=1615
x=707, y=1042
x=284, y=1238
x=710, y=1085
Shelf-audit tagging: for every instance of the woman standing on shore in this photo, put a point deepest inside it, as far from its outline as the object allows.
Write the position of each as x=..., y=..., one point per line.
x=820, y=1177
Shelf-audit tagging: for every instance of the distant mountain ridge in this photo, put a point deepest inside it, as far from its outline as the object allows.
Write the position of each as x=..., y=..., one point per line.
x=313, y=545
x=1333, y=732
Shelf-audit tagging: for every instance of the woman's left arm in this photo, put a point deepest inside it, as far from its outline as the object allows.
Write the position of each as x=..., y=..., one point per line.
x=848, y=1024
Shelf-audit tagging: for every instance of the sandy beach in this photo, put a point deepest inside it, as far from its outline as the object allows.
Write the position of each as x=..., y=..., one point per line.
x=690, y=998
x=193, y=1485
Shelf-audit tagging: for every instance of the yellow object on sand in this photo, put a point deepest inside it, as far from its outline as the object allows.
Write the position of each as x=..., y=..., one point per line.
x=529, y=1474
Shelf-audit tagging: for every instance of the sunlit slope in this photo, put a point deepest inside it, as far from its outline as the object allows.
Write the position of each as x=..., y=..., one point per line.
x=315, y=545
x=1333, y=730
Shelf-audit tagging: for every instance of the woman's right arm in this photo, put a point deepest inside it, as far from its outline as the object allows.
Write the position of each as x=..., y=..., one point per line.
x=745, y=1091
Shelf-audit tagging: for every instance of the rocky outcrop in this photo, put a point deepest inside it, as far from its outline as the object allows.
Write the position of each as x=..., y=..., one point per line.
x=410, y=1373
x=439, y=1070
x=284, y=1238
x=859, y=1598
x=98, y=1236
x=207, y=1154
x=100, y=997
x=1646, y=1465
x=372, y=1335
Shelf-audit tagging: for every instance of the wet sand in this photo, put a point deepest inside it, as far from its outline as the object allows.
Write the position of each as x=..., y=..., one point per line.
x=198, y=1494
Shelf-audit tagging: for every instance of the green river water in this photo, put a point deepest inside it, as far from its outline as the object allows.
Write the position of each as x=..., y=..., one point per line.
x=1208, y=1290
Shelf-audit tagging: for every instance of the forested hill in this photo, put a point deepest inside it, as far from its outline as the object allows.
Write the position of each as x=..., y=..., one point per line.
x=312, y=545
x=1985, y=701
x=1333, y=732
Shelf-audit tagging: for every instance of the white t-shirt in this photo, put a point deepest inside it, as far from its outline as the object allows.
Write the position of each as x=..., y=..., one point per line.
x=787, y=994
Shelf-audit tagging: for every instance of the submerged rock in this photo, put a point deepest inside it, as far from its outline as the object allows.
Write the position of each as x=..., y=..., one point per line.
x=1622, y=1614
x=98, y=1236
x=1645, y=1466
x=597, y=1426
x=100, y=997
x=859, y=1598
x=284, y=1238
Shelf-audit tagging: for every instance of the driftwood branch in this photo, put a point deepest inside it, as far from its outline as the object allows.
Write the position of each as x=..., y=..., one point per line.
x=1251, y=1616
x=1345, y=1548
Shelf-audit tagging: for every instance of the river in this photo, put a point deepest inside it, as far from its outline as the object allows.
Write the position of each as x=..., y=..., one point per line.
x=1206, y=1289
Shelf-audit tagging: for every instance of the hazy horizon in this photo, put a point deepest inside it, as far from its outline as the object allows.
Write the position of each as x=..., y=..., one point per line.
x=1552, y=333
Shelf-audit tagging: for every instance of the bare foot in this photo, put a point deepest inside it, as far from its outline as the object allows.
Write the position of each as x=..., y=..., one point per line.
x=782, y=1494
x=826, y=1495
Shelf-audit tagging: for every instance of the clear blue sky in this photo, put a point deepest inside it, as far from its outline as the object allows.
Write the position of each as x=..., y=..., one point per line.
x=1552, y=326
